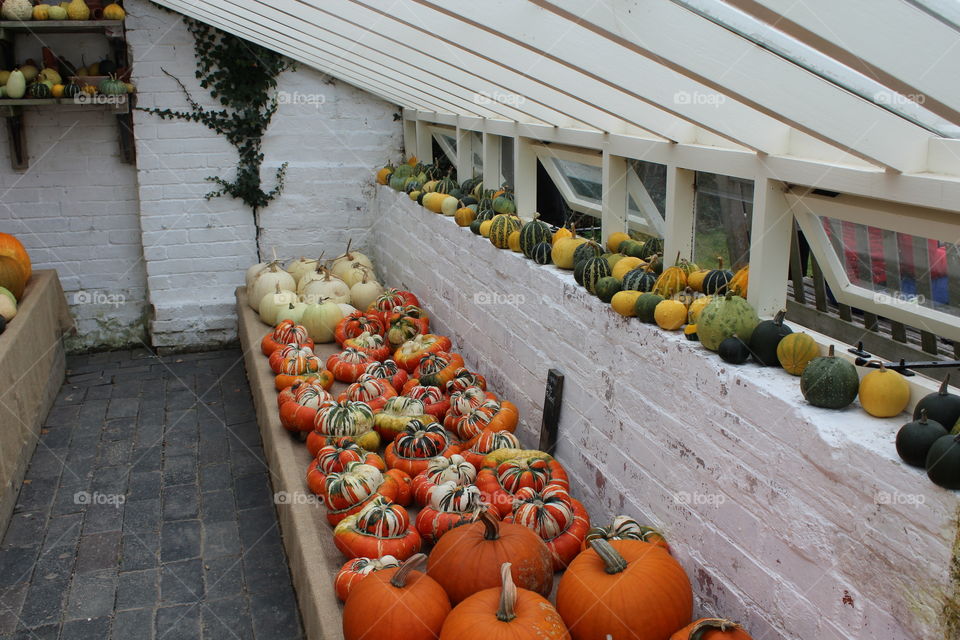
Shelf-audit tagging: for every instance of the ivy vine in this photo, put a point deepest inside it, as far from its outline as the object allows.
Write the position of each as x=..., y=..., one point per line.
x=242, y=76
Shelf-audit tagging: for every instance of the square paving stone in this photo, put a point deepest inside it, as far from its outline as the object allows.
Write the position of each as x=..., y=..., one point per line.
x=180, y=469
x=89, y=629
x=110, y=479
x=143, y=484
x=63, y=531
x=98, y=551
x=103, y=517
x=221, y=538
x=180, y=502
x=116, y=452
x=137, y=589
x=226, y=619
x=265, y=568
x=123, y=408
x=16, y=564
x=46, y=463
x=46, y=632
x=99, y=392
x=55, y=564
x=44, y=604
x=11, y=600
x=212, y=451
x=133, y=623
x=247, y=460
x=37, y=494
x=256, y=525
x=92, y=594
x=223, y=576
x=217, y=506
x=70, y=395
x=148, y=459
x=215, y=477
x=60, y=415
x=25, y=529
x=252, y=491
x=179, y=540
x=139, y=551
x=274, y=617
x=181, y=621
x=181, y=582
x=141, y=516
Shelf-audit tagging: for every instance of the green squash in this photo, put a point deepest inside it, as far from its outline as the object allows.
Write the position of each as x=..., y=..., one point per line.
x=639, y=280
x=445, y=185
x=650, y=247
x=39, y=90
x=607, y=287
x=593, y=270
x=733, y=350
x=656, y=264
x=403, y=170
x=396, y=182
x=613, y=258
x=585, y=251
x=645, y=306
x=541, y=253
x=631, y=248
x=943, y=462
x=503, y=225
x=716, y=281
x=915, y=439
x=532, y=234
x=941, y=406
x=828, y=381
x=766, y=338
x=724, y=317
x=475, y=225
x=578, y=272
x=504, y=204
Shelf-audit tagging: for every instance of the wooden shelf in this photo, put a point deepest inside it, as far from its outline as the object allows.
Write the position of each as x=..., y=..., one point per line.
x=112, y=28
x=8, y=105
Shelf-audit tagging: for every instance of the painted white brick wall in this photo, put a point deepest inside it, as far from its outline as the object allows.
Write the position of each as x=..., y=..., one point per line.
x=197, y=250
x=75, y=209
x=776, y=509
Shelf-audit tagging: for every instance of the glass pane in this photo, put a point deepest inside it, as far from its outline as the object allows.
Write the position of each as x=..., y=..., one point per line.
x=584, y=179
x=724, y=211
x=646, y=197
x=899, y=268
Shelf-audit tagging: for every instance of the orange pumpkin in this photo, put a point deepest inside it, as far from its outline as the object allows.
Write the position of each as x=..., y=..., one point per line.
x=462, y=378
x=435, y=402
x=380, y=528
x=347, y=492
x=15, y=267
x=285, y=380
x=374, y=391
x=357, y=323
x=468, y=559
x=413, y=448
x=374, y=345
x=627, y=588
x=349, y=364
x=505, y=471
x=557, y=518
x=334, y=457
x=487, y=442
x=437, y=369
x=286, y=332
x=504, y=613
x=409, y=354
x=440, y=470
x=401, y=603
x=299, y=413
x=295, y=360
x=712, y=629
x=356, y=569
x=450, y=506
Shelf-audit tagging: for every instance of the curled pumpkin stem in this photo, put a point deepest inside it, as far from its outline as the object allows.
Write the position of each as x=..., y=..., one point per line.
x=706, y=625
x=399, y=579
x=508, y=595
x=613, y=562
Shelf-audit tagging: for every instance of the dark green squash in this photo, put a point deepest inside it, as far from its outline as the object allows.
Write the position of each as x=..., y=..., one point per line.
x=541, y=253
x=716, y=280
x=504, y=203
x=71, y=90
x=639, y=280
x=585, y=251
x=830, y=382
x=607, y=287
x=420, y=198
x=690, y=333
x=475, y=225
x=646, y=304
x=578, y=272
x=765, y=339
x=942, y=406
x=446, y=185
x=943, y=462
x=467, y=201
x=533, y=233
x=631, y=248
x=915, y=439
x=39, y=90
x=651, y=247
x=733, y=350
x=593, y=270
x=656, y=264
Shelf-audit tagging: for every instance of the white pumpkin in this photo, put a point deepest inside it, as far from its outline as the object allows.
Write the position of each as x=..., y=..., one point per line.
x=273, y=302
x=329, y=289
x=346, y=309
x=363, y=293
x=301, y=266
x=293, y=311
x=8, y=304
x=320, y=320
x=319, y=272
x=266, y=282
x=253, y=272
x=345, y=261
x=17, y=10
x=16, y=84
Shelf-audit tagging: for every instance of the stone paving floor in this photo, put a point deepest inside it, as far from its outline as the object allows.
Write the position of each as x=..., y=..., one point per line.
x=147, y=510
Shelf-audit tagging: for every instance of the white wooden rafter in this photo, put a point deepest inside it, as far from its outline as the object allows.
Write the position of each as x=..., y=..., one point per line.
x=737, y=68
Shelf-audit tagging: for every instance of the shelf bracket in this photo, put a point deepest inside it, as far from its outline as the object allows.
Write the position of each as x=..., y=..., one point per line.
x=17, y=134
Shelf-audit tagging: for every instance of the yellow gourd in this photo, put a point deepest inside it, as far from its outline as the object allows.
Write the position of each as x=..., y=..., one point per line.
x=464, y=216
x=114, y=12
x=695, y=279
x=562, y=253
x=513, y=241
x=670, y=314
x=740, y=281
x=41, y=12
x=57, y=90
x=562, y=233
x=884, y=393
x=625, y=303
x=78, y=10
x=795, y=351
x=626, y=265
x=613, y=242
x=696, y=307
x=485, y=228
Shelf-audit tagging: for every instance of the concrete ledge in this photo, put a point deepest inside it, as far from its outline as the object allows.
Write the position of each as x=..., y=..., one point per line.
x=307, y=536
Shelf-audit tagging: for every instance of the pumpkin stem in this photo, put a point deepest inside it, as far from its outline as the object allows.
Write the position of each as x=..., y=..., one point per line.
x=700, y=629
x=778, y=319
x=399, y=579
x=347, y=252
x=272, y=249
x=923, y=416
x=613, y=561
x=677, y=261
x=491, y=525
x=831, y=352
x=508, y=595
x=719, y=263
x=943, y=386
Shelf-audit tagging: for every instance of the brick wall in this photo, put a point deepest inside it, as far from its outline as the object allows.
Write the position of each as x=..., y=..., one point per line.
x=197, y=250
x=799, y=522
